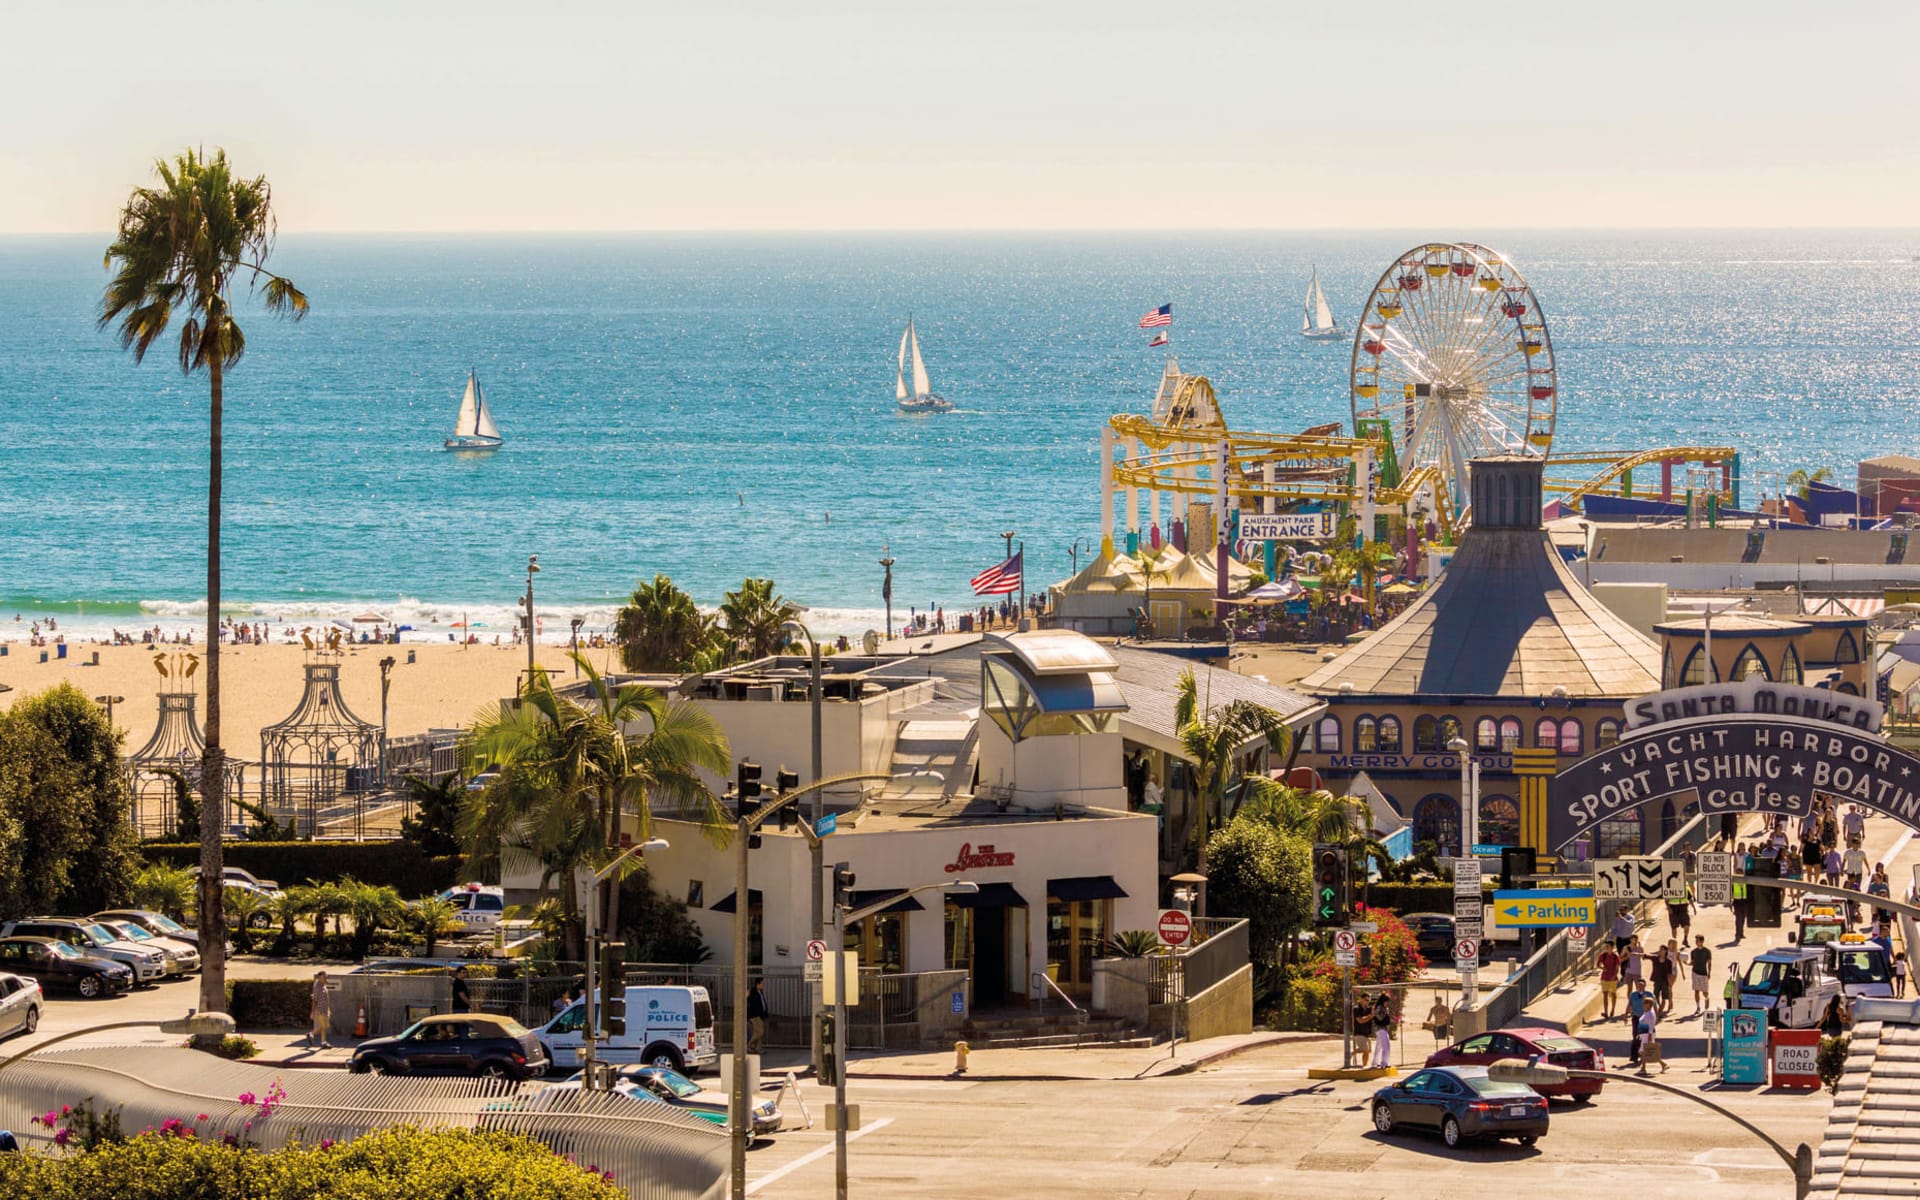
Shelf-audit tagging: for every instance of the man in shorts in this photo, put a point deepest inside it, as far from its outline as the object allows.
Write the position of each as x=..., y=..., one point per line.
x=1609, y=981
x=1701, y=960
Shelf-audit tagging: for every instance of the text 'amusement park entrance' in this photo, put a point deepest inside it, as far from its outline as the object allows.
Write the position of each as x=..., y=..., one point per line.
x=1741, y=747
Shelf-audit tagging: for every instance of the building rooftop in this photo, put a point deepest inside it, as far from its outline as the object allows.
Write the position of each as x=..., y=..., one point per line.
x=1150, y=681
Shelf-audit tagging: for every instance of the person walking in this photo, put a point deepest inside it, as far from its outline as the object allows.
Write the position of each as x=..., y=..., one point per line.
x=1622, y=929
x=462, y=998
x=1701, y=962
x=1382, y=1031
x=1664, y=968
x=1647, y=1045
x=1633, y=965
x=1440, y=1020
x=757, y=1016
x=1609, y=981
x=1680, y=916
x=1900, y=975
x=1836, y=1020
x=1637, y=1007
x=1730, y=994
x=1362, y=1028
x=322, y=1014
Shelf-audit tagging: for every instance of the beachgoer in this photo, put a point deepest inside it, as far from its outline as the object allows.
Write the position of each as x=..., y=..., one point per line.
x=1900, y=974
x=1440, y=1020
x=322, y=1013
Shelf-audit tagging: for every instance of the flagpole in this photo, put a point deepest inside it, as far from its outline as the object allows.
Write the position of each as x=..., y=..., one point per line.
x=1023, y=586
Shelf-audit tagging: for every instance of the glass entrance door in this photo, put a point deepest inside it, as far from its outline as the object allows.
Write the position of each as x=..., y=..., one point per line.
x=1077, y=933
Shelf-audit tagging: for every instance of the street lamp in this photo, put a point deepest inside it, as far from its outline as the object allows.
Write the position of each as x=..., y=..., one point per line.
x=533, y=568
x=194, y=1024
x=1469, y=794
x=577, y=622
x=386, y=682
x=886, y=585
x=815, y=904
x=590, y=1007
x=1531, y=1072
x=108, y=702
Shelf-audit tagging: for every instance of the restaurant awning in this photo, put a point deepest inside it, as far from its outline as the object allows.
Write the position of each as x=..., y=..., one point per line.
x=1086, y=887
x=990, y=895
x=906, y=903
x=727, y=902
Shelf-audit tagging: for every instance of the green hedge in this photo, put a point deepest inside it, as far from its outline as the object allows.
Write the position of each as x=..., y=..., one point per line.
x=390, y=1164
x=1309, y=1004
x=397, y=864
x=271, y=1003
x=1409, y=897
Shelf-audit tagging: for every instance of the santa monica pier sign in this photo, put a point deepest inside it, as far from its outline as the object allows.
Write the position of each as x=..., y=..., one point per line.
x=1739, y=747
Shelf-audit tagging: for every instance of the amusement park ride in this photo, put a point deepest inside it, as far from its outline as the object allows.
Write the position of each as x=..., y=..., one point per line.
x=1451, y=361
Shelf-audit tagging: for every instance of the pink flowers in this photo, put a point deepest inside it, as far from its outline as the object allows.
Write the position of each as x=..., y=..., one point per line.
x=326, y=1143
x=62, y=1137
x=247, y=1098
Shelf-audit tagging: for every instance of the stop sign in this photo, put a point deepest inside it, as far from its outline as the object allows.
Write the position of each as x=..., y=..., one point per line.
x=1176, y=927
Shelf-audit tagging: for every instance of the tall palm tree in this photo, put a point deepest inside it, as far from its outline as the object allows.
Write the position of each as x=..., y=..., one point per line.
x=1211, y=738
x=754, y=618
x=179, y=247
x=568, y=772
x=660, y=628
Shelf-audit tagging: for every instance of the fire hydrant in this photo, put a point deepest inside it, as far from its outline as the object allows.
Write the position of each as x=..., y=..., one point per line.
x=960, y=1058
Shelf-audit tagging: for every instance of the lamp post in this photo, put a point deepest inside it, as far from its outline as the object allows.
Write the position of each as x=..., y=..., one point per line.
x=533, y=568
x=108, y=702
x=816, y=906
x=1530, y=1072
x=590, y=1006
x=886, y=584
x=843, y=916
x=386, y=682
x=194, y=1024
x=577, y=622
x=1469, y=795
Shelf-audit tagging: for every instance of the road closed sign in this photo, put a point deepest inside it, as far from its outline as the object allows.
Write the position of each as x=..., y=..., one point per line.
x=1175, y=927
x=1796, y=1058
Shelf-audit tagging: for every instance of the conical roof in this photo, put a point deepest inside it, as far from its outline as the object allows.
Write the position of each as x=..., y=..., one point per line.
x=1507, y=619
x=1103, y=574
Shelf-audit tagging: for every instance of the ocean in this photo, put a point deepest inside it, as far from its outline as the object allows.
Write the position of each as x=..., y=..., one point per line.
x=714, y=407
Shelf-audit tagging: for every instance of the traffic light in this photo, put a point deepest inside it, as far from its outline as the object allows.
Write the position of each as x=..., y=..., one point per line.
x=842, y=885
x=613, y=988
x=1516, y=861
x=746, y=786
x=829, y=1060
x=784, y=781
x=1329, y=886
x=1764, y=902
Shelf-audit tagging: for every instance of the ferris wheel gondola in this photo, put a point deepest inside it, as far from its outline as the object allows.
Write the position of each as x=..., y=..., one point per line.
x=1452, y=362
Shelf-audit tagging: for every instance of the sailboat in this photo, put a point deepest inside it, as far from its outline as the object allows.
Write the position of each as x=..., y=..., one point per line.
x=1316, y=319
x=474, y=429
x=921, y=399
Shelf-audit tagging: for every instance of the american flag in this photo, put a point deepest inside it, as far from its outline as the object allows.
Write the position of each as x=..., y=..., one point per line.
x=1002, y=580
x=1159, y=339
x=1158, y=317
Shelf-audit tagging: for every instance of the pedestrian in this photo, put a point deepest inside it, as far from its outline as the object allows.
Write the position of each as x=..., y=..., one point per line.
x=1648, y=1044
x=1362, y=1028
x=1440, y=1019
x=1622, y=929
x=1633, y=964
x=462, y=999
x=1680, y=916
x=1731, y=993
x=1831, y=865
x=1609, y=981
x=1836, y=1020
x=1742, y=905
x=562, y=1001
x=1879, y=886
x=1637, y=1007
x=1702, y=965
x=322, y=1013
x=1900, y=974
x=1382, y=1031
x=756, y=1016
x=1665, y=967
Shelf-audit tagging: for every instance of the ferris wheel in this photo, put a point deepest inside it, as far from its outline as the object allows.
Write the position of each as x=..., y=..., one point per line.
x=1452, y=362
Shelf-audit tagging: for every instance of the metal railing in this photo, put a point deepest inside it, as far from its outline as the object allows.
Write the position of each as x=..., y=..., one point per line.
x=394, y=1000
x=654, y=1151
x=1048, y=985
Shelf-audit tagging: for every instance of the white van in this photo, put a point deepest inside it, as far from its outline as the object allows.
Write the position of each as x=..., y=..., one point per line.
x=1792, y=984
x=666, y=1027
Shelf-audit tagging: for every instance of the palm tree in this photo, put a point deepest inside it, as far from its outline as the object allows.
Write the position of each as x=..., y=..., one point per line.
x=435, y=917
x=1318, y=816
x=754, y=618
x=179, y=246
x=570, y=772
x=1211, y=738
x=660, y=628
x=1802, y=480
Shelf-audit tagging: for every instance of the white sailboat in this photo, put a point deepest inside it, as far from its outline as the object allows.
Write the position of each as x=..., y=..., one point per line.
x=921, y=399
x=1316, y=319
x=474, y=429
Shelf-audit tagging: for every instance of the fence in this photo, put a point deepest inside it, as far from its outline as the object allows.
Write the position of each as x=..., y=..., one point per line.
x=894, y=1011
x=396, y=999
x=654, y=1151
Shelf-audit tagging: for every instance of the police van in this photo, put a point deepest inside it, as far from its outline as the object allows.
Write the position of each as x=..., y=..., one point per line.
x=666, y=1026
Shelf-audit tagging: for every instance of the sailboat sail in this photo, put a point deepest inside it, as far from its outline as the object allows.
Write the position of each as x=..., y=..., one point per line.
x=474, y=429
x=921, y=385
x=920, y=399
x=483, y=425
x=1322, y=314
x=900, y=373
x=465, y=424
x=1316, y=316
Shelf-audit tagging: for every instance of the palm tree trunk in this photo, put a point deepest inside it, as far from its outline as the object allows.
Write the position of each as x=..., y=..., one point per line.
x=213, y=958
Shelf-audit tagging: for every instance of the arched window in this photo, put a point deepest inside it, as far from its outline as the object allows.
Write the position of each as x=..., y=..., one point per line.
x=1790, y=666
x=1509, y=734
x=1606, y=733
x=1436, y=819
x=1486, y=735
x=1451, y=732
x=1546, y=734
x=1848, y=650
x=1571, y=737
x=1619, y=835
x=1846, y=689
x=1366, y=736
x=1666, y=667
x=1695, y=670
x=1499, y=821
x=1669, y=820
x=1389, y=735
x=1327, y=741
x=1426, y=734
x=1750, y=665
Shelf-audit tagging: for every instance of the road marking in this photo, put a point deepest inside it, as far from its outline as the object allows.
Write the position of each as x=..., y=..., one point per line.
x=814, y=1155
x=1899, y=844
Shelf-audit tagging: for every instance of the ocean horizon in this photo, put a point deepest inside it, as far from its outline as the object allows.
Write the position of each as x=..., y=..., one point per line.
x=714, y=406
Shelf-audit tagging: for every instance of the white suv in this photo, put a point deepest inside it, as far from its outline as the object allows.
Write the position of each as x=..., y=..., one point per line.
x=147, y=966
x=480, y=906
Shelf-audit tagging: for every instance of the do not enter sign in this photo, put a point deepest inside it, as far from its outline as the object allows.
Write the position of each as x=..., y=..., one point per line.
x=1176, y=927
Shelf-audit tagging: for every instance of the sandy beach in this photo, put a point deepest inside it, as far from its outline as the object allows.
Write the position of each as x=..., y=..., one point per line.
x=443, y=687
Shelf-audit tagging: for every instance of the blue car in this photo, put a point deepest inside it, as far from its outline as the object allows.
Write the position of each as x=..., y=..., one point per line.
x=1461, y=1103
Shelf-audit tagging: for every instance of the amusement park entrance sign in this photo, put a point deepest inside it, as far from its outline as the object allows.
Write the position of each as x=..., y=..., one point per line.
x=1742, y=762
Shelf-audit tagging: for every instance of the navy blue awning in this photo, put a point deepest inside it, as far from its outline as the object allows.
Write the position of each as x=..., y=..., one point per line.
x=1086, y=887
x=990, y=895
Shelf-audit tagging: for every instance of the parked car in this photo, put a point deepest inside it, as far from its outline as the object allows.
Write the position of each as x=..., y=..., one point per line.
x=477, y=905
x=56, y=964
x=241, y=877
x=1549, y=1045
x=148, y=966
x=1462, y=1103
x=676, y=1089
x=455, y=1044
x=157, y=923
x=20, y=1004
x=183, y=958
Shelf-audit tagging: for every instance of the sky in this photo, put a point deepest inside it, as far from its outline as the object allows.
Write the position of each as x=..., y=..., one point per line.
x=421, y=115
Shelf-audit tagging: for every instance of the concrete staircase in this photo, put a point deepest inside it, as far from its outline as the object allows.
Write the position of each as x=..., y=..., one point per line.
x=1053, y=1027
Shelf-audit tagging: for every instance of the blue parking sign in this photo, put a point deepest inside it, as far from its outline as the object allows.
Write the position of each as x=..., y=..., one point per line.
x=959, y=1003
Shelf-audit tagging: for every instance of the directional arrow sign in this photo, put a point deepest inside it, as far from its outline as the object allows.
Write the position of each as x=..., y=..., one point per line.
x=1543, y=909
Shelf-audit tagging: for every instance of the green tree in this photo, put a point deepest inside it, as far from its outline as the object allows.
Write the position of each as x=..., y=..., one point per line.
x=372, y=907
x=1265, y=874
x=65, y=841
x=435, y=917
x=179, y=246
x=1212, y=740
x=660, y=628
x=164, y=889
x=1802, y=480
x=436, y=805
x=753, y=618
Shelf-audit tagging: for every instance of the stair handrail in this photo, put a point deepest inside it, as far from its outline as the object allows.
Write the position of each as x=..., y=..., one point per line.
x=1042, y=977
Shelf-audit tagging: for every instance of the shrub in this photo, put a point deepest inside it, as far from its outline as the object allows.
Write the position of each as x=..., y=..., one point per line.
x=1309, y=1003
x=164, y=889
x=1833, y=1060
x=271, y=1003
x=1262, y=873
x=396, y=864
x=393, y=1164
x=234, y=1046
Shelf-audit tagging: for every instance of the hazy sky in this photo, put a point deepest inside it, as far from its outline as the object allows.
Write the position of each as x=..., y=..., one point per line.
x=417, y=115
